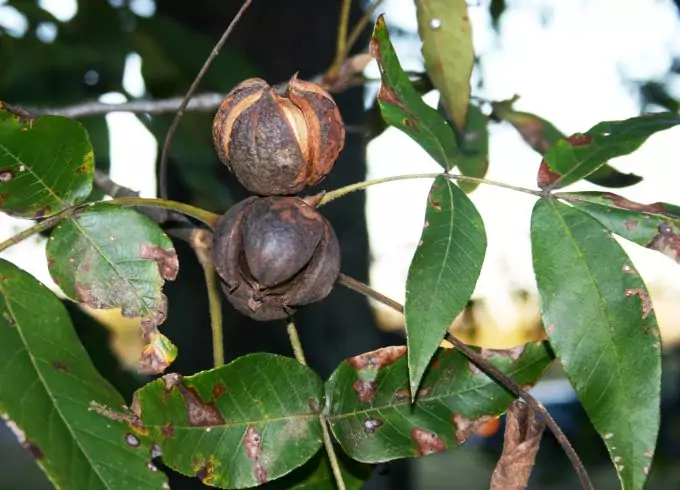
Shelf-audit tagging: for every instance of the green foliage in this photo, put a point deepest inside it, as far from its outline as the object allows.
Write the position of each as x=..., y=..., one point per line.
x=370, y=408
x=247, y=423
x=261, y=420
x=599, y=320
x=443, y=272
x=47, y=382
x=403, y=108
x=51, y=156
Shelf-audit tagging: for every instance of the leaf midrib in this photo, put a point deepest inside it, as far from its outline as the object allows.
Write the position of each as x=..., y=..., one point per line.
x=45, y=386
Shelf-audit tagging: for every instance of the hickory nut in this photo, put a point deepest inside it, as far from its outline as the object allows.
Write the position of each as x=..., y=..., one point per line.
x=275, y=254
x=274, y=144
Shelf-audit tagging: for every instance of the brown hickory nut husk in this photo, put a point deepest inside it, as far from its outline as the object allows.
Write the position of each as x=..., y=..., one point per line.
x=278, y=145
x=275, y=254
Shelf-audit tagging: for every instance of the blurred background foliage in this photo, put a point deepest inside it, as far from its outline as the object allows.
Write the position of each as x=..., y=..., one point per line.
x=62, y=52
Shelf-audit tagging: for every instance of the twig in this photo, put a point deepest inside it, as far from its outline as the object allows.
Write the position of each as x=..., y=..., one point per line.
x=44, y=225
x=202, y=215
x=493, y=372
x=342, y=191
x=341, y=42
x=202, y=244
x=360, y=26
x=327, y=441
x=163, y=164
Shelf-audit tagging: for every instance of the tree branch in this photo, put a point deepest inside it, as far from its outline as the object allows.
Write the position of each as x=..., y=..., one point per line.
x=492, y=371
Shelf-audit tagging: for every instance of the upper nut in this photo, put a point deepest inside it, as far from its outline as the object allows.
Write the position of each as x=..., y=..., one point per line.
x=278, y=145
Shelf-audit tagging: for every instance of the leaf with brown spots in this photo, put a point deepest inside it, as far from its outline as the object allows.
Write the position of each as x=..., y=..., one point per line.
x=47, y=383
x=655, y=226
x=541, y=135
x=443, y=272
x=46, y=165
x=402, y=106
x=261, y=425
x=523, y=433
x=114, y=257
x=575, y=157
x=454, y=400
x=605, y=337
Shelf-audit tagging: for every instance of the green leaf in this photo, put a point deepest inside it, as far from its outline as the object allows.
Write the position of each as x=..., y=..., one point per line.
x=541, y=135
x=443, y=272
x=473, y=159
x=655, y=226
x=599, y=321
x=403, y=108
x=46, y=385
x=46, y=165
x=371, y=414
x=316, y=474
x=444, y=27
x=114, y=257
x=579, y=155
x=246, y=423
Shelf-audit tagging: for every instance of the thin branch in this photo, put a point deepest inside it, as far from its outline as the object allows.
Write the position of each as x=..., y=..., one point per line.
x=327, y=441
x=44, y=225
x=360, y=26
x=202, y=244
x=343, y=191
x=163, y=164
x=341, y=42
x=202, y=215
x=493, y=372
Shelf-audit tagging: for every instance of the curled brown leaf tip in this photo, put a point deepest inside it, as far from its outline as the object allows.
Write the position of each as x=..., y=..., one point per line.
x=522, y=438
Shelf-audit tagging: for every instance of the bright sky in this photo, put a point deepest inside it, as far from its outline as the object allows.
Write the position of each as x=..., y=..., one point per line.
x=565, y=59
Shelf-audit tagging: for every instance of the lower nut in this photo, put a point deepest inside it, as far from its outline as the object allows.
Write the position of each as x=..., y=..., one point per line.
x=275, y=254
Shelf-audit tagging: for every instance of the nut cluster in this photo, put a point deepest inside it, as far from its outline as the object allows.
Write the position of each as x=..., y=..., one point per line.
x=276, y=252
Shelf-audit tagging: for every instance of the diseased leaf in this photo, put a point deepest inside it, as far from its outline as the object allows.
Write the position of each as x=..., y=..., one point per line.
x=599, y=320
x=446, y=32
x=47, y=382
x=580, y=154
x=246, y=423
x=522, y=438
x=316, y=474
x=370, y=410
x=46, y=165
x=443, y=272
x=655, y=226
x=473, y=158
x=402, y=106
x=541, y=135
x=114, y=257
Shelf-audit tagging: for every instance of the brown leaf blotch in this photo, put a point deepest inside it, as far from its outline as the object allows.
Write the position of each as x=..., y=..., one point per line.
x=465, y=427
x=402, y=395
x=647, y=306
x=630, y=224
x=200, y=413
x=167, y=261
x=365, y=390
x=622, y=202
x=667, y=242
x=132, y=440
x=60, y=366
x=377, y=359
x=546, y=177
x=427, y=442
x=6, y=176
x=218, y=390
x=371, y=425
x=252, y=442
x=35, y=451
x=168, y=430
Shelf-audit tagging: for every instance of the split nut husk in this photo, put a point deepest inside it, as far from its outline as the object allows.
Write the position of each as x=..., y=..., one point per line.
x=278, y=145
x=275, y=254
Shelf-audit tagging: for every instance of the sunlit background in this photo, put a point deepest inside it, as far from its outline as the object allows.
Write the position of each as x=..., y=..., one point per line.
x=573, y=62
